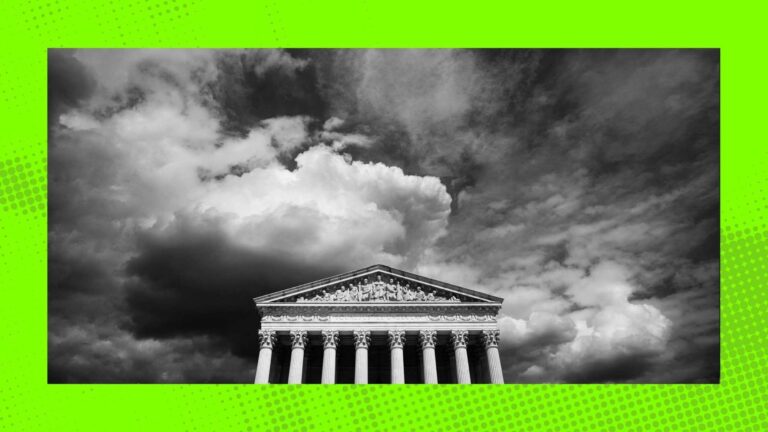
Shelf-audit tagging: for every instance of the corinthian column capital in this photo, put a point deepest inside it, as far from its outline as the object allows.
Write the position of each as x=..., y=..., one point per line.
x=362, y=338
x=267, y=338
x=299, y=339
x=330, y=339
x=428, y=338
x=491, y=338
x=396, y=338
x=459, y=338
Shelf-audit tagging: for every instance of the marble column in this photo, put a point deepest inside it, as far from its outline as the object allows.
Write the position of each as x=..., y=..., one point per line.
x=491, y=343
x=362, y=341
x=299, y=342
x=396, y=342
x=267, y=340
x=428, y=339
x=330, y=341
x=459, y=340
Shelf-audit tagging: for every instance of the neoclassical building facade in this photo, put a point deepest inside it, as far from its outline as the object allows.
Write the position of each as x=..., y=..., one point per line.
x=378, y=325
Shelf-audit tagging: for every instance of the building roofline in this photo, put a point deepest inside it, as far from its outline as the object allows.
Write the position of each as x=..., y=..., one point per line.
x=352, y=274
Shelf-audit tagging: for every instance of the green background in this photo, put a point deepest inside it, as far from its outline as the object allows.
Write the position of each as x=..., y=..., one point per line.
x=28, y=28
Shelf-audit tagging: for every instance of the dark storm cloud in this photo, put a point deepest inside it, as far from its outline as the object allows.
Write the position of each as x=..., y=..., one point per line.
x=99, y=354
x=583, y=184
x=192, y=280
x=623, y=367
x=254, y=86
x=69, y=83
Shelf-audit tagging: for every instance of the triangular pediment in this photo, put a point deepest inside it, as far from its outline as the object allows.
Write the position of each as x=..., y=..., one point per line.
x=377, y=284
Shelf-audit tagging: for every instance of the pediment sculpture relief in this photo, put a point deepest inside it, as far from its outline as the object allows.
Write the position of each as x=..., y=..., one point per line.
x=366, y=290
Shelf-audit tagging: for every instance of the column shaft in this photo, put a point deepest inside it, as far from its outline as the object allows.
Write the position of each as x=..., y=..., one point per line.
x=262, y=368
x=329, y=365
x=430, y=365
x=462, y=366
x=428, y=339
x=298, y=342
x=297, y=361
x=494, y=365
x=398, y=370
x=362, y=341
x=491, y=342
x=459, y=339
x=267, y=339
x=330, y=340
x=361, y=365
x=396, y=342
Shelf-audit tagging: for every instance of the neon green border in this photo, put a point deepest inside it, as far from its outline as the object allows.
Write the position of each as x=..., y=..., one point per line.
x=28, y=403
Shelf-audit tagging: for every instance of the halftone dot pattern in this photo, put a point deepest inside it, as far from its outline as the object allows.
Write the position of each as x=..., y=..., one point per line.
x=23, y=191
x=27, y=403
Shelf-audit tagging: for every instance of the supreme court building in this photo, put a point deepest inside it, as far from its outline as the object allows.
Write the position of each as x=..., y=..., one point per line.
x=378, y=325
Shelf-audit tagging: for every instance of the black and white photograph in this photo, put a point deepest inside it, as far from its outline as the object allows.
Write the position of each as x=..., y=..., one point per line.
x=377, y=216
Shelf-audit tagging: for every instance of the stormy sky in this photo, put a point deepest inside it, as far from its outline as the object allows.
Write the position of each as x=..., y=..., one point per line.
x=582, y=186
